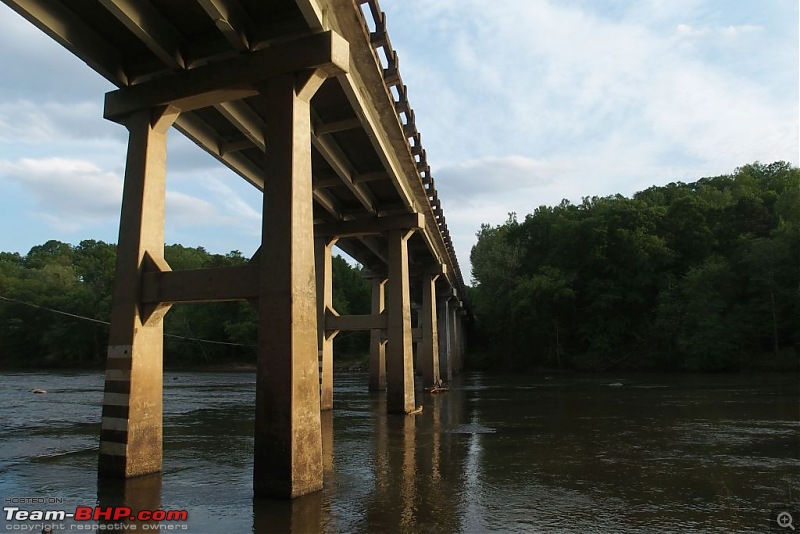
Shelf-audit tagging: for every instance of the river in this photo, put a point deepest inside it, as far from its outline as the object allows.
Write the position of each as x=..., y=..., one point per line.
x=497, y=453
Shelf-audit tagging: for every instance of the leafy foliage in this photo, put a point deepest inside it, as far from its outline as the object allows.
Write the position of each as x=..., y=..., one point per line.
x=78, y=280
x=699, y=276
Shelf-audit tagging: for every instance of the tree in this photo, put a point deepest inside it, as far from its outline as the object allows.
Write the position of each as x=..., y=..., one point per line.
x=695, y=276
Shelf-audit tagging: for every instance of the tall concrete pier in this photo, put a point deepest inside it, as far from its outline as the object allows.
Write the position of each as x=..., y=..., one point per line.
x=304, y=100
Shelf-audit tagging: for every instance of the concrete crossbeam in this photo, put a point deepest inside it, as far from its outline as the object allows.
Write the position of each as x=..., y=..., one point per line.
x=234, y=78
x=201, y=285
x=343, y=323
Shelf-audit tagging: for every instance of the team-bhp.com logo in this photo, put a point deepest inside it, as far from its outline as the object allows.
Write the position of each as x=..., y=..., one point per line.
x=48, y=518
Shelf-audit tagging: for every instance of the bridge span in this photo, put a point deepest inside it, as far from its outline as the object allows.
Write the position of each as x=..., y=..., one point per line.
x=304, y=100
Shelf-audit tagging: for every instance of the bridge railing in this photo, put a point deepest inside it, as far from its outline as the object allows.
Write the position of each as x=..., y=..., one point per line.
x=374, y=21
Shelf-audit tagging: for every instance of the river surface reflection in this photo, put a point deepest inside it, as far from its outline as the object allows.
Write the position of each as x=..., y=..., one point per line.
x=567, y=453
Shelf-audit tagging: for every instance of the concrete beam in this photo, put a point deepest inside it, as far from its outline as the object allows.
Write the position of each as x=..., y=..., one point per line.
x=146, y=23
x=229, y=19
x=371, y=225
x=343, y=323
x=336, y=158
x=214, y=284
x=325, y=128
x=437, y=270
x=377, y=176
x=245, y=120
x=232, y=79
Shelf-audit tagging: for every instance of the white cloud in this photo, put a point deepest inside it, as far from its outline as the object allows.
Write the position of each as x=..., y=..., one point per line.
x=520, y=103
x=474, y=180
x=235, y=205
x=188, y=210
x=687, y=30
x=25, y=121
x=526, y=103
x=68, y=193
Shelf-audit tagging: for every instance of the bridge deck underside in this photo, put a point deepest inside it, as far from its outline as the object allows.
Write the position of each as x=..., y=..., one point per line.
x=363, y=164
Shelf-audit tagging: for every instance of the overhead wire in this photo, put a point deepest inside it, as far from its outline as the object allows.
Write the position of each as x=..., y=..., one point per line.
x=99, y=321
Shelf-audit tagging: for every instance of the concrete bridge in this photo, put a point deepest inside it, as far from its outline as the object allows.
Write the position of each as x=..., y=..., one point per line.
x=304, y=100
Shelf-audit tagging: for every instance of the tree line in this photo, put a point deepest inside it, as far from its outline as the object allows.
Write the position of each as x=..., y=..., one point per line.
x=55, y=304
x=701, y=276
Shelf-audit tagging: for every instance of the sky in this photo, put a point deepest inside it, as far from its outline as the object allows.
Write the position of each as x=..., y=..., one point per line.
x=520, y=103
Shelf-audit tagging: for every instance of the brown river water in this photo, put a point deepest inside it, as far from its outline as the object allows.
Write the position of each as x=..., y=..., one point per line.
x=497, y=453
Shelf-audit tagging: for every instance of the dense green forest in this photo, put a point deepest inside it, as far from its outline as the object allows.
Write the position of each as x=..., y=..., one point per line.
x=699, y=276
x=77, y=281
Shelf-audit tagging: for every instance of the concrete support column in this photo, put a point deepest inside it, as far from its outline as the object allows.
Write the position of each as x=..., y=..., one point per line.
x=445, y=352
x=459, y=339
x=131, y=427
x=453, y=316
x=462, y=339
x=288, y=441
x=399, y=357
x=377, y=343
x=323, y=247
x=428, y=356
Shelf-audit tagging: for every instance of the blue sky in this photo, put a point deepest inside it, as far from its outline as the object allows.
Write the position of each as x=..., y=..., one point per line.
x=520, y=103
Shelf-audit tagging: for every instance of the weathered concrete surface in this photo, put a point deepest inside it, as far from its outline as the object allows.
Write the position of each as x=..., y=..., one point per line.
x=322, y=253
x=377, y=343
x=429, y=348
x=131, y=427
x=288, y=443
x=399, y=357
